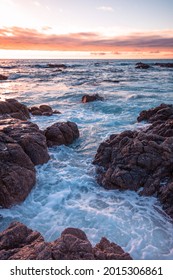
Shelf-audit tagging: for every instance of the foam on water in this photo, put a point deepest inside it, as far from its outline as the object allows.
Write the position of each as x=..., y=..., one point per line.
x=66, y=193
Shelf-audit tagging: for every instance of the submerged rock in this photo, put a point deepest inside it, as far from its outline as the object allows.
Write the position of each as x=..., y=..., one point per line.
x=18, y=242
x=14, y=109
x=162, y=64
x=3, y=77
x=140, y=160
x=90, y=98
x=43, y=110
x=61, y=133
x=62, y=66
x=141, y=65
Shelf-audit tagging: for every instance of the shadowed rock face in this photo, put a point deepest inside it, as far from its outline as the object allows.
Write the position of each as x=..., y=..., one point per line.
x=14, y=109
x=43, y=110
x=61, y=134
x=141, y=160
x=18, y=242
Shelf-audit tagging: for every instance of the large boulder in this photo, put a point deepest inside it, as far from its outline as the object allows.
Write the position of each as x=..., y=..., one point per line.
x=140, y=160
x=18, y=242
x=17, y=173
x=29, y=137
x=61, y=133
x=14, y=109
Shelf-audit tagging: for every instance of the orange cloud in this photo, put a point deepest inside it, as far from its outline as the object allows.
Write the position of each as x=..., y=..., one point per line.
x=16, y=38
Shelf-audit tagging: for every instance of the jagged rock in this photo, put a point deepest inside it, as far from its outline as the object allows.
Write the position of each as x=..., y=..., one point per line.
x=29, y=137
x=18, y=242
x=3, y=77
x=162, y=112
x=61, y=133
x=14, y=109
x=139, y=160
x=141, y=65
x=43, y=110
x=17, y=173
x=90, y=98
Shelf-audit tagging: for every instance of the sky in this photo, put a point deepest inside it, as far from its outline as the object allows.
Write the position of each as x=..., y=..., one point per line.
x=86, y=29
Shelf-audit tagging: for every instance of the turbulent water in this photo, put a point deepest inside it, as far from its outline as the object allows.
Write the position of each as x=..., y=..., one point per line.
x=66, y=193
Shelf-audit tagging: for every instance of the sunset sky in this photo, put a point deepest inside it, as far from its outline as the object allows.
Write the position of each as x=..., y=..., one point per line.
x=86, y=29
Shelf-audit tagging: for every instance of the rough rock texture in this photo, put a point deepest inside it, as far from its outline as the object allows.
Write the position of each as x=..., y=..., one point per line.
x=14, y=109
x=43, y=110
x=141, y=65
x=17, y=173
x=61, y=133
x=18, y=242
x=3, y=77
x=141, y=160
x=29, y=137
x=90, y=98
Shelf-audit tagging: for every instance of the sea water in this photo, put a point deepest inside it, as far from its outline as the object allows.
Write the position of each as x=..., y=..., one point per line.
x=66, y=193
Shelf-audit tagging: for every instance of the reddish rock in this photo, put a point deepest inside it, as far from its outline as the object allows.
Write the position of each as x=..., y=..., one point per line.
x=140, y=160
x=29, y=137
x=3, y=77
x=61, y=134
x=90, y=98
x=14, y=109
x=18, y=242
x=43, y=110
x=17, y=173
x=141, y=65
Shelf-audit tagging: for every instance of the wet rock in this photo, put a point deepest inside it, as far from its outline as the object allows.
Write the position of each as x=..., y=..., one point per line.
x=18, y=242
x=61, y=133
x=140, y=160
x=141, y=65
x=165, y=195
x=43, y=110
x=17, y=173
x=62, y=66
x=90, y=98
x=29, y=137
x=162, y=112
x=3, y=77
x=14, y=109
x=167, y=65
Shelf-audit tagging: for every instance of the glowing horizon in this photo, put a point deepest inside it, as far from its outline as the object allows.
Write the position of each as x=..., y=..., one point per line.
x=71, y=35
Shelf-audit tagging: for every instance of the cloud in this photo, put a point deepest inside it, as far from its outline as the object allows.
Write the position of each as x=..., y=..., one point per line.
x=18, y=38
x=105, y=8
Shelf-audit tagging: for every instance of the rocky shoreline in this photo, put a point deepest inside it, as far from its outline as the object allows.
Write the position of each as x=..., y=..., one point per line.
x=139, y=160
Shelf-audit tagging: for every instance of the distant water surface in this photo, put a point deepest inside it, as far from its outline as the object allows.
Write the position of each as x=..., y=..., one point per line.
x=66, y=193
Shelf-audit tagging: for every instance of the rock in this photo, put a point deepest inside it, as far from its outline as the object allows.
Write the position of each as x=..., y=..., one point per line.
x=3, y=77
x=140, y=160
x=167, y=65
x=43, y=110
x=63, y=66
x=29, y=137
x=14, y=109
x=17, y=173
x=165, y=195
x=162, y=112
x=141, y=65
x=90, y=98
x=61, y=133
x=18, y=242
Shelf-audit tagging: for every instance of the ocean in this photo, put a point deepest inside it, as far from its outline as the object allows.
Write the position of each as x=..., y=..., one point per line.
x=66, y=193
